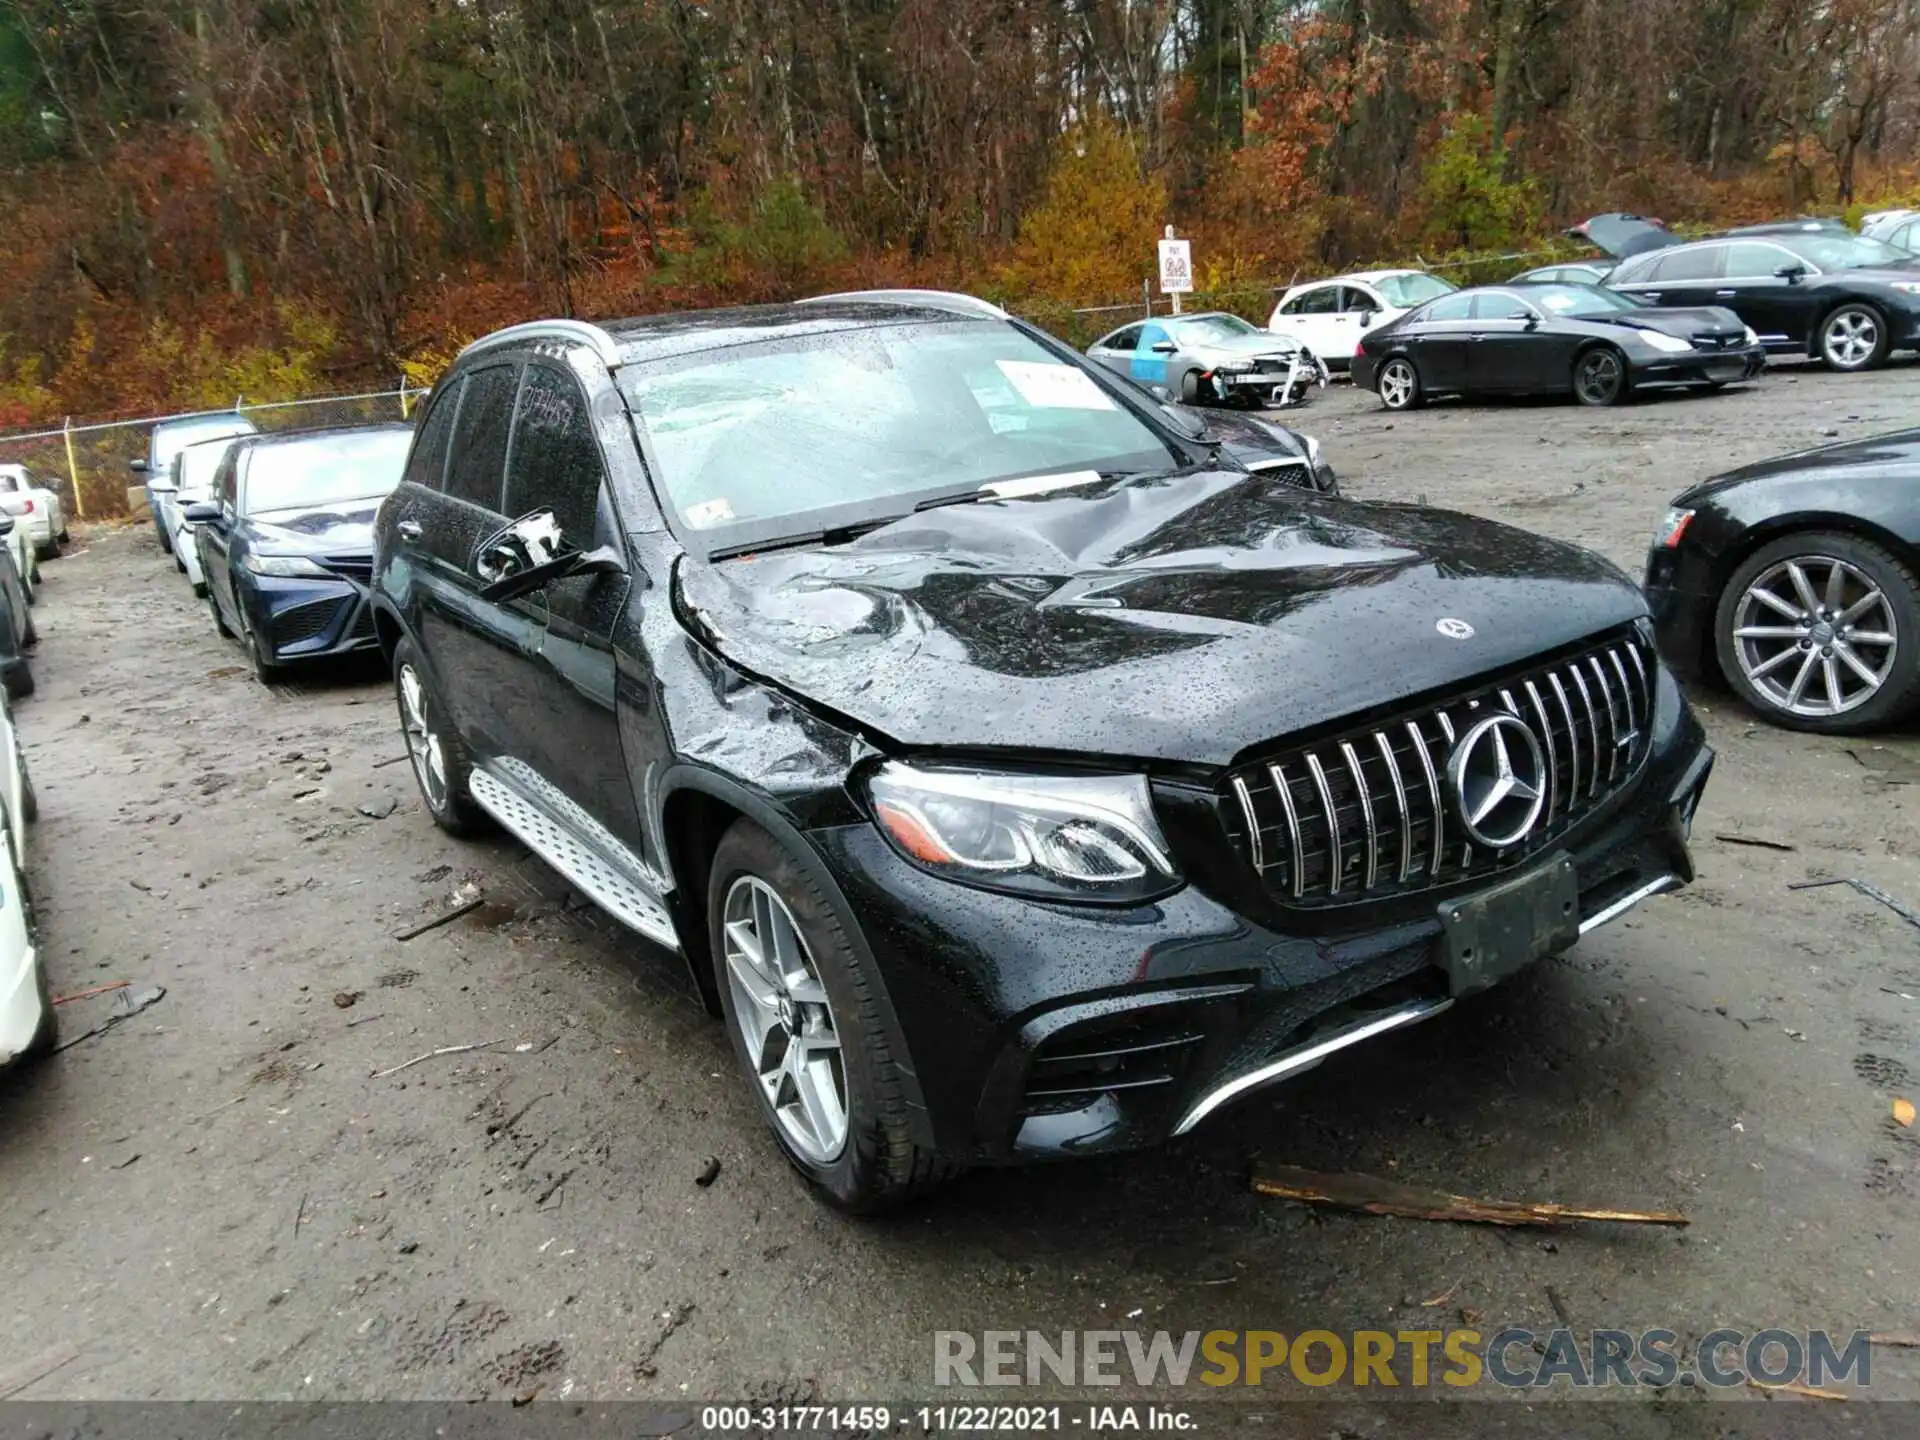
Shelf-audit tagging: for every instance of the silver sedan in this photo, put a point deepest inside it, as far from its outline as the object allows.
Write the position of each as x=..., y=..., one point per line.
x=1211, y=359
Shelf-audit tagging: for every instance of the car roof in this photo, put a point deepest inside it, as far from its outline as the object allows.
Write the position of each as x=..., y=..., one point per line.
x=317, y=434
x=207, y=422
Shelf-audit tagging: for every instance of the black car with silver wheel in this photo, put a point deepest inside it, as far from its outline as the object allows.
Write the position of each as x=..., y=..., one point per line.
x=986, y=738
x=1793, y=581
x=1832, y=296
x=1551, y=339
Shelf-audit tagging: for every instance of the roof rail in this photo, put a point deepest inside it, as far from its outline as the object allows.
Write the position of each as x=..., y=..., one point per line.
x=951, y=301
x=577, y=332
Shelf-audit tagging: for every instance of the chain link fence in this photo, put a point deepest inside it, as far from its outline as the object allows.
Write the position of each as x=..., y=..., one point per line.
x=86, y=463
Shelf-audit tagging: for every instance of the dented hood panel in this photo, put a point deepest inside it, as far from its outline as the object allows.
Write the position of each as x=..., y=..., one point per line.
x=1177, y=619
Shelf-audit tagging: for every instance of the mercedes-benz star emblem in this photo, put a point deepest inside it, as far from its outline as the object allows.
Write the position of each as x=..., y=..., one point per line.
x=1453, y=629
x=1498, y=775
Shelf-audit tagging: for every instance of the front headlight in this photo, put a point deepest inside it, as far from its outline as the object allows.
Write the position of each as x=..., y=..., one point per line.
x=1668, y=344
x=1673, y=525
x=1055, y=837
x=1751, y=337
x=1233, y=367
x=1313, y=454
x=287, y=567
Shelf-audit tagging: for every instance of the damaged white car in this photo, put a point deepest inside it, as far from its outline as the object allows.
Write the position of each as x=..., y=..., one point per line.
x=1212, y=359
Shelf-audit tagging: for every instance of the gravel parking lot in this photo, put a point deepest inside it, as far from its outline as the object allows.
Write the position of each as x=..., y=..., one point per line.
x=220, y=1197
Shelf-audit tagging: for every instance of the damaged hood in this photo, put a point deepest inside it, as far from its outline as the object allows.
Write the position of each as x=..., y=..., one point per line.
x=345, y=525
x=1182, y=618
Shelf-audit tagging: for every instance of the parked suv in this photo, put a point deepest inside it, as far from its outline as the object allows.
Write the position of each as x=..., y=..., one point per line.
x=1018, y=776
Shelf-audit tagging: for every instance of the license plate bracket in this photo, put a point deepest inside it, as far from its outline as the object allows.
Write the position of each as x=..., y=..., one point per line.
x=1486, y=937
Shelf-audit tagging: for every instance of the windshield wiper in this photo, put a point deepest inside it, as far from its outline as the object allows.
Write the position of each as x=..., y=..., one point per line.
x=832, y=535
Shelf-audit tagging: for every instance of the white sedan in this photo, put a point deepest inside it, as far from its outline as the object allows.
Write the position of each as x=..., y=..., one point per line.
x=28, y=1021
x=188, y=481
x=36, y=508
x=1330, y=316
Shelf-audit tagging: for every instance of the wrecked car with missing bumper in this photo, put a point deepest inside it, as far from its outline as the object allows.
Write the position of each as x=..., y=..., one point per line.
x=1018, y=775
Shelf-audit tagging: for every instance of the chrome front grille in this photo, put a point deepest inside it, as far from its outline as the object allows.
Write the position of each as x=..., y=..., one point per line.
x=1369, y=814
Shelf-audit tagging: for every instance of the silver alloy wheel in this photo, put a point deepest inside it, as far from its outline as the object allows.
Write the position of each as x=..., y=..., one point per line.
x=1599, y=376
x=423, y=744
x=1397, y=382
x=1815, y=636
x=1850, y=338
x=782, y=1011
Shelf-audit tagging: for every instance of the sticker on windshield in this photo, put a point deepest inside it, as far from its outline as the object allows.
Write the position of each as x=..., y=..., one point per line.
x=709, y=512
x=1054, y=387
x=1558, y=302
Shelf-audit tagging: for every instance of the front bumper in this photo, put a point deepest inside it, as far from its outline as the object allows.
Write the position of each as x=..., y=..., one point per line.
x=1040, y=1030
x=1682, y=595
x=304, y=619
x=1289, y=384
x=1721, y=367
x=23, y=999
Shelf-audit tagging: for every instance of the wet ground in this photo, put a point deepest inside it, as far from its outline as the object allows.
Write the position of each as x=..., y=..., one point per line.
x=223, y=1196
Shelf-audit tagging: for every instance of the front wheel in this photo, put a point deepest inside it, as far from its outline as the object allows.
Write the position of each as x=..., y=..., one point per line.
x=440, y=758
x=1399, y=385
x=219, y=620
x=1854, y=337
x=1600, y=377
x=1821, y=632
x=1190, y=388
x=264, y=669
x=804, y=1013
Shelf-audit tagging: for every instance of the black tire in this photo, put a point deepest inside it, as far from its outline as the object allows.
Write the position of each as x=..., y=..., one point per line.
x=219, y=620
x=454, y=811
x=178, y=563
x=29, y=797
x=46, y=550
x=166, y=544
x=1899, y=692
x=1189, y=387
x=46, y=1036
x=200, y=591
x=30, y=635
x=879, y=1166
x=264, y=670
x=1838, y=338
x=19, y=680
x=1600, y=377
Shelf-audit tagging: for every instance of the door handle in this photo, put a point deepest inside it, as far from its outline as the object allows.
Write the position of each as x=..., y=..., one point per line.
x=1724, y=294
x=409, y=529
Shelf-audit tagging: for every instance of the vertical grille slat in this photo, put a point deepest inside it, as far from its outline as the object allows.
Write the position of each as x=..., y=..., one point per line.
x=1333, y=841
x=1400, y=800
x=1553, y=763
x=1285, y=787
x=1336, y=866
x=1593, y=731
x=1366, y=814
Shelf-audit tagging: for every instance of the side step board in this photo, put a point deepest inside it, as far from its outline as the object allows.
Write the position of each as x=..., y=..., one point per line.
x=575, y=844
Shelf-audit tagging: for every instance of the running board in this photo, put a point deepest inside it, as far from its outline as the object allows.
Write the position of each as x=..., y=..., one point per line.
x=575, y=844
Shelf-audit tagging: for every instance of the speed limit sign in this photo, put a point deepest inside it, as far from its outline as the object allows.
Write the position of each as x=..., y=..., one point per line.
x=1176, y=267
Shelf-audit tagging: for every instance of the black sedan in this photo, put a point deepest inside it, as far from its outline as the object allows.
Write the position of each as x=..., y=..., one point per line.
x=1844, y=299
x=1567, y=272
x=286, y=544
x=1547, y=340
x=1793, y=580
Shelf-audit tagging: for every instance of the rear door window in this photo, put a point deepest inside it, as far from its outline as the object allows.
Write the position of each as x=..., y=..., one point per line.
x=556, y=461
x=1449, y=307
x=477, y=460
x=427, y=464
x=1701, y=263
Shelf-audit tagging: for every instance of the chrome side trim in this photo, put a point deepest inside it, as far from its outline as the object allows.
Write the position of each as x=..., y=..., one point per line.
x=1400, y=799
x=576, y=332
x=1309, y=1055
x=1419, y=737
x=1366, y=814
x=1336, y=862
x=1628, y=901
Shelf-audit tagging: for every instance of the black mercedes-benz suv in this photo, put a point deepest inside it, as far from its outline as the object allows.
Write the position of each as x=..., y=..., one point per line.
x=1018, y=775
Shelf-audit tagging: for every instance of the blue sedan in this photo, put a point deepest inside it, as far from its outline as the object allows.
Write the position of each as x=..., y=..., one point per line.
x=286, y=544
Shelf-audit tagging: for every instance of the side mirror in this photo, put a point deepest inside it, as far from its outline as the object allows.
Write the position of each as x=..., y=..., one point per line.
x=1187, y=423
x=1368, y=316
x=1164, y=347
x=1791, y=273
x=204, y=513
x=1528, y=316
x=6, y=524
x=138, y=467
x=531, y=554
